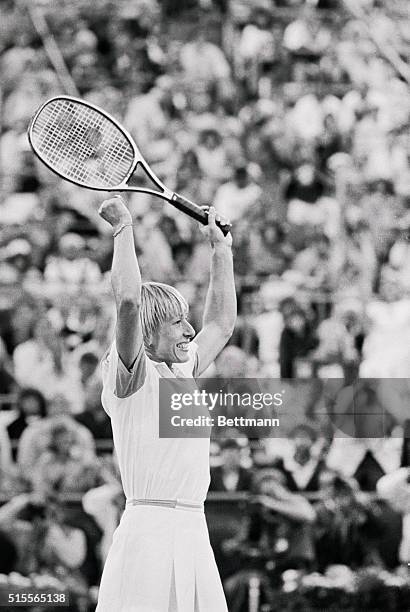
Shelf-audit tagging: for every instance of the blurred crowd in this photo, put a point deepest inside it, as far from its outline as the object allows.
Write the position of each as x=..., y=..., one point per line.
x=292, y=118
x=275, y=506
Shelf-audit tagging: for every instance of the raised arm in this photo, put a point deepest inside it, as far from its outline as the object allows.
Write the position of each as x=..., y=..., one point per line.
x=125, y=280
x=220, y=307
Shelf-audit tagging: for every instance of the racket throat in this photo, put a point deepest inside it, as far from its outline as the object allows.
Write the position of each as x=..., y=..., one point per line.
x=146, y=180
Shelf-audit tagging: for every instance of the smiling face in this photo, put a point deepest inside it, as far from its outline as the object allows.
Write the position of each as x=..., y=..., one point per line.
x=164, y=322
x=170, y=343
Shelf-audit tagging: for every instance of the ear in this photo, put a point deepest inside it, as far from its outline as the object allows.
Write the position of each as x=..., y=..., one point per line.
x=149, y=341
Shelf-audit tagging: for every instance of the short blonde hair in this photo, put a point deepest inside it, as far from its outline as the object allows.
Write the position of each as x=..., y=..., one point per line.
x=159, y=303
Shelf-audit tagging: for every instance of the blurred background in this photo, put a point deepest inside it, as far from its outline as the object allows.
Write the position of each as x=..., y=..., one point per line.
x=292, y=117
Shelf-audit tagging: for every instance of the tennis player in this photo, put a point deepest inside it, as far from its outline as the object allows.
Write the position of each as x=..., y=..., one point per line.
x=160, y=559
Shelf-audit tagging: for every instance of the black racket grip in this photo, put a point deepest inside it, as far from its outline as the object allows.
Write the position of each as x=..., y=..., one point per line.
x=198, y=213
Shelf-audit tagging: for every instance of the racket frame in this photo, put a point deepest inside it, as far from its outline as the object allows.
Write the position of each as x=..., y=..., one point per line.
x=183, y=204
x=166, y=193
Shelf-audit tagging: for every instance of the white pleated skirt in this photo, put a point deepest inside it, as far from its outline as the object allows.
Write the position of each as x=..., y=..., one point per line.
x=161, y=560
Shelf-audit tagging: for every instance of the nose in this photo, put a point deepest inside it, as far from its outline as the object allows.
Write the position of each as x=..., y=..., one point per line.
x=189, y=330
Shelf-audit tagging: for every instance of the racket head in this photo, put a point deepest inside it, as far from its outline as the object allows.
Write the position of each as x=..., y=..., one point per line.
x=83, y=144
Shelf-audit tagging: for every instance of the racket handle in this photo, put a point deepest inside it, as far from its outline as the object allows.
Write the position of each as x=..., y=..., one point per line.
x=197, y=213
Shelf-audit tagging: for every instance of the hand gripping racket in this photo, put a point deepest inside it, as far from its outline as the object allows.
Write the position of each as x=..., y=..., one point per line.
x=85, y=145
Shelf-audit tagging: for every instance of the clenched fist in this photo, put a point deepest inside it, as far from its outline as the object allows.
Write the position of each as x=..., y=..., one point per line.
x=213, y=232
x=115, y=212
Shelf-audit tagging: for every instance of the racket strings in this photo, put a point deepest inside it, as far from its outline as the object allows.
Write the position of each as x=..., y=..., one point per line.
x=82, y=144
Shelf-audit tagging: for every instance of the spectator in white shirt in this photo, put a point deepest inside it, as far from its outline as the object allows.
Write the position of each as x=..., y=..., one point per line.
x=147, y=120
x=395, y=489
x=237, y=197
x=70, y=266
x=105, y=504
x=203, y=61
x=213, y=159
x=44, y=363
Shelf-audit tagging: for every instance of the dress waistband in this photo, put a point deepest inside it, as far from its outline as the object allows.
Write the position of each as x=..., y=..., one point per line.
x=184, y=504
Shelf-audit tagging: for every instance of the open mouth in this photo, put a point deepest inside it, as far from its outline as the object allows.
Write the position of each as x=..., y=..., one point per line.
x=183, y=346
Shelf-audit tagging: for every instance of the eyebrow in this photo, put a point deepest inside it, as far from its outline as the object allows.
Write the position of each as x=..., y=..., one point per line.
x=180, y=315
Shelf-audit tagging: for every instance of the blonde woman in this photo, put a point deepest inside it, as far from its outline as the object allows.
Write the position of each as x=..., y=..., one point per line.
x=160, y=559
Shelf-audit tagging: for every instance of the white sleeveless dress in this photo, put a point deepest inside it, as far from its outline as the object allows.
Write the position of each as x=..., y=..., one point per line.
x=160, y=559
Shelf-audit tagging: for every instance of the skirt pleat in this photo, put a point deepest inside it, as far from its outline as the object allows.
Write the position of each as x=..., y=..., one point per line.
x=161, y=560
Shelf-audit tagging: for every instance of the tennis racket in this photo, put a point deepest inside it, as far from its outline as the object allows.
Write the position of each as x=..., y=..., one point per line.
x=88, y=147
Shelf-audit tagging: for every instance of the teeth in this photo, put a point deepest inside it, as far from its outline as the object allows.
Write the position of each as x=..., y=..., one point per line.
x=183, y=345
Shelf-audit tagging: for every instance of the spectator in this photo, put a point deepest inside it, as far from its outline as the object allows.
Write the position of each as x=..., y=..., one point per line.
x=7, y=380
x=304, y=464
x=204, y=62
x=276, y=500
x=314, y=264
x=149, y=130
x=382, y=209
x=45, y=541
x=78, y=323
x=270, y=251
x=385, y=347
x=19, y=329
x=96, y=335
x=342, y=521
x=395, y=489
x=155, y=251
x=189, y=177
x=233, y=362
x=70, y=266
x=340, y=341
x=360, y=412
x=257, y=47
x=43, y=361
x=355, y=257
x=35, y=439
x=306, y=35
x=89, y=373
x=235, y=199
x=213, y=160
x=329, y=142
x=6, y=462
x=18, y=255
x=297, y=339
x=93, y=417
x=31, y=406
x=105, y=504
x=278, y=525
x=399, y=261
x=230, y=475
x=61, y=468
x=245, y=335
x=304, y=185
